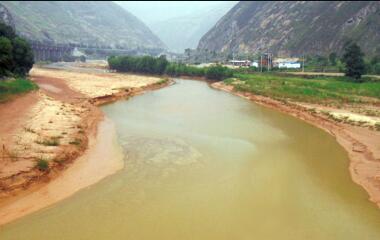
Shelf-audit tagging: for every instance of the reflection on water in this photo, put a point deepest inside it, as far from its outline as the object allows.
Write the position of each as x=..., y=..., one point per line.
x=203, y=164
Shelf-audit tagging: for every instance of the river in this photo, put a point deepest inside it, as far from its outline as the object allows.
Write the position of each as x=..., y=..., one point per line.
x=204, y=164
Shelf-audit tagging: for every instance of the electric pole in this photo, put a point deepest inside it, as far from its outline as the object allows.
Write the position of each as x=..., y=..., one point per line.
x=303, y=63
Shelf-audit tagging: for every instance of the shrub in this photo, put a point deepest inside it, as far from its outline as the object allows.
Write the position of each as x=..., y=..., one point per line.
x=218, y=72
x=160, y=65
x=54, y=141
x=145, y=64
x=42, y=165
x=76, y=142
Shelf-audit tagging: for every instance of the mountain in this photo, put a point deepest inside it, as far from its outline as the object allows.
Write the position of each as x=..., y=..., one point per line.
x=6, y=17
x=295, y=28
x=95, y=23
x=179, y=24
x=185, y=31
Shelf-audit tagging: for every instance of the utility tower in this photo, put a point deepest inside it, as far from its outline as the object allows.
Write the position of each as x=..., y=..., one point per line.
x=303, y=63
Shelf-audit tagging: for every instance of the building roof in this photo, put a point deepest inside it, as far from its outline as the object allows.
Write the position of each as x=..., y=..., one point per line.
x=239, y=61
x=285, y=60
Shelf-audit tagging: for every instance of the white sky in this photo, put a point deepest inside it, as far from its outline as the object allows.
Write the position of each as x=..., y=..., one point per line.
x=149, y=11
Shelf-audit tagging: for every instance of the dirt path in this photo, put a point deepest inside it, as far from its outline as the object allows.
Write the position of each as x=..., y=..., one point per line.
x=13, y=113
x=58, y=89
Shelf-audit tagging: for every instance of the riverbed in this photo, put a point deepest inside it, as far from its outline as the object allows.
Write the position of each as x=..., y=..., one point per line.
x=203, y=164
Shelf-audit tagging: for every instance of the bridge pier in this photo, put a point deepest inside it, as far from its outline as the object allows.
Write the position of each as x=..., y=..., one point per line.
x=50, y=51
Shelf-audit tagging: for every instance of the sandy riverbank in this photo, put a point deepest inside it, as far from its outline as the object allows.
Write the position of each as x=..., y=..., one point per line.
x=361, y=144
x=62, y=125
x=103, y=157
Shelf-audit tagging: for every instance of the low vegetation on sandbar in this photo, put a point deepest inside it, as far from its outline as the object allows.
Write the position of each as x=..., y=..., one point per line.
x=336, y=90
x=151, y=65
x=13, y=86
x=308, y=88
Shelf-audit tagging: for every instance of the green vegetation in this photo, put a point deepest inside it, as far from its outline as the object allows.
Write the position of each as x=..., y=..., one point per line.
x=42, y=164
x=53, y=141
x=16, y=57
x=160, y=65
x=15, y=86
x=145, y=64
x=179, y=69
x=162, y=81
x=218, y=72
x=353, y=58
x=373, y=65
x=76, y=142
x=310, y=89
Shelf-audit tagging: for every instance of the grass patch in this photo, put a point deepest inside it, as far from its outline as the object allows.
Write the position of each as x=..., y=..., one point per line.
x=53, y=141
x=76, y=142
x=162, y=81
x=28, y=129
x=42, y=164
x=12, y=87
x=377, y=126
x=307, y=89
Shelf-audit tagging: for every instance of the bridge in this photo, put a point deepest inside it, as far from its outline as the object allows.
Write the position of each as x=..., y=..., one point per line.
x=50, y=51
x=55, y=52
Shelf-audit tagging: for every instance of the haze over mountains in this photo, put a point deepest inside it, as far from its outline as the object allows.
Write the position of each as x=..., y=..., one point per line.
x=94, y=23
x=283, y=28
x=295, y=28
x=179, y=25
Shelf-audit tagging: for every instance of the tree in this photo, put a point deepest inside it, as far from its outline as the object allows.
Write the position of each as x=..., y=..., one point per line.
x=6, y=61
x=22, y=56
x=16, y=55
x=354, y=61
x=7, y=31
x=160, y=64
x=332, y=58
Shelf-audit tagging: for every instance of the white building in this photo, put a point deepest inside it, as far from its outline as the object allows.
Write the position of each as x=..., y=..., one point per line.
x=240, y=63
x=289, y=65
x=255, y=64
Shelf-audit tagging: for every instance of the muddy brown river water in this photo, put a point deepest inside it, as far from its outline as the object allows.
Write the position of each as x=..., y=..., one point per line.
x=203, y=164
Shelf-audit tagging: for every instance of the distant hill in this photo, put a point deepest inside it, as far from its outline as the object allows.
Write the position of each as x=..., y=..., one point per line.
x=95, y=23
x=185, y=32
x=295, y=28
x=178, y=24
x=6, y=17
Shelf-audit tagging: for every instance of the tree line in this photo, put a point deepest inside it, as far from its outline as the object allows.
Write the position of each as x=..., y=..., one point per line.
x=352, y=62
x=159, y=65
x=16, y=56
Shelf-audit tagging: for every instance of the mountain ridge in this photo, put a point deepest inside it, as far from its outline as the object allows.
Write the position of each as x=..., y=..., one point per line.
x=295, y=28
x=94, y=23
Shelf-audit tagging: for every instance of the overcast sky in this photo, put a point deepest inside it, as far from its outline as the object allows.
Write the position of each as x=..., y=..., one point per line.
x=149, y=11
